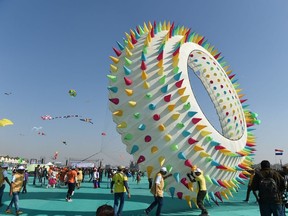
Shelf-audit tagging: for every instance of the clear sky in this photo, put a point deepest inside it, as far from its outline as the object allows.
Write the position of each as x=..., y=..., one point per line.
x=49, y=47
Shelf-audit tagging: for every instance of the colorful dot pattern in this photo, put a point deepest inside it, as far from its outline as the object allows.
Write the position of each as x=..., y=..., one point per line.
x=219, y=86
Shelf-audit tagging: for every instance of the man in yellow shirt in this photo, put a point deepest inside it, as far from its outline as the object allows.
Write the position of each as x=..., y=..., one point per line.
x=15, y=188
x=119, y=181
x=198, y=177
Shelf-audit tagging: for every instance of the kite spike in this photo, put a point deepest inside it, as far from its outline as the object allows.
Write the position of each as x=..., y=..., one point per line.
x=130, y=44
x=114, y=100
x=160, y=56
x=145, y=27
x=187, y=35
x=231, y=76
x=243, y=101
x=128, y=81
x=128, y=52
x=143, y=66
x=113, y=68
x=121, y=47
x=133, y=39
x=114, y=59
x=201, y=41
x=117, y=52
x=217, y=56
x=118, y=113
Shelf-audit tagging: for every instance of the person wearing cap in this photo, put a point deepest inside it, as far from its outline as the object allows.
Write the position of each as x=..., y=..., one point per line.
x=120, y=184
x=198, y=177
x=268, y=204
x=15, y=188
x=3, y=178
x=71, y=180
x=157, y=190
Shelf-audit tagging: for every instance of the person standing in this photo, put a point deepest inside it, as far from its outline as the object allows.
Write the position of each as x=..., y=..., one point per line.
x=270, y=186
x=95, y=177
x=15, y=188
x=119, y=182
x=71, y=179
x=35, y=174
x=25, y=182
x=109, y=176
x=249, y=189
x=44, y=175
x=79, y=178
x=3, y=178
x=198, y=177
x=157, y=191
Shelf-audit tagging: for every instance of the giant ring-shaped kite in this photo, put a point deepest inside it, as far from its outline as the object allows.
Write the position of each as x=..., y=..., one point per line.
x=160, y=120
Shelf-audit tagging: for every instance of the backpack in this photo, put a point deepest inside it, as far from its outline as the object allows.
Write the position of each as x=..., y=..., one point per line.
x=268, y=189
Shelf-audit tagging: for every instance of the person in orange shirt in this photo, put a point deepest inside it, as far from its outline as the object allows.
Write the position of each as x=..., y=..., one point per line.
x=71, y=180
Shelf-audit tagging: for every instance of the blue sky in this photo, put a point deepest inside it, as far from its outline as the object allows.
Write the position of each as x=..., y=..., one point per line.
x=49, y=47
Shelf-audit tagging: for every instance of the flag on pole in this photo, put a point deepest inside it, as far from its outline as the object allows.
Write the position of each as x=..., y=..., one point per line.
x=278, y=152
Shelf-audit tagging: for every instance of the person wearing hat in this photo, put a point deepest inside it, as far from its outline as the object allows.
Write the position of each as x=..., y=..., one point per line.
x=157, y=190
x=120, y=185
x=3, y=178
x=15, y=188
x=197, y=176
x=269, y=197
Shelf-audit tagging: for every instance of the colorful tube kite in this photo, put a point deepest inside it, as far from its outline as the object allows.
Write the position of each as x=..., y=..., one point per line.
x=160, y=120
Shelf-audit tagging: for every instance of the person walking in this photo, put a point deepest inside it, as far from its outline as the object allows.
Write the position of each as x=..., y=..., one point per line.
x=270, y=186
x=157, y=191
x=15, y=188
x=3, y=178
x=25, y=182
x=119, y=182
x=71, y=180
x=198, y=177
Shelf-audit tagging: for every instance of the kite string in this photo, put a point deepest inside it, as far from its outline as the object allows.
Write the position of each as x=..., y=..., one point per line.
x=102, y=139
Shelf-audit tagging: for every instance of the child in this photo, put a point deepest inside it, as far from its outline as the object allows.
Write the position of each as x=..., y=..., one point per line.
x=52, y=181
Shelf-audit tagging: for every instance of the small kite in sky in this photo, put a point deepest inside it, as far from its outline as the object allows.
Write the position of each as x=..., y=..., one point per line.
x=103, y=134
x=48, y=117
x=5, y=122
x=89, y=120
x=64, y=142
x=37, y=128
x=8, y=93
x=41, y=133
x=72, y=93
x=55, y=156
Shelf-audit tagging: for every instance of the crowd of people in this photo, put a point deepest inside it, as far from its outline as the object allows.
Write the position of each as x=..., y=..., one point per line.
x=268, y=186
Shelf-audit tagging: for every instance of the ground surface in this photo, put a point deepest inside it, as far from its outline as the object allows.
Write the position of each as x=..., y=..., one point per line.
x=40, y=201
